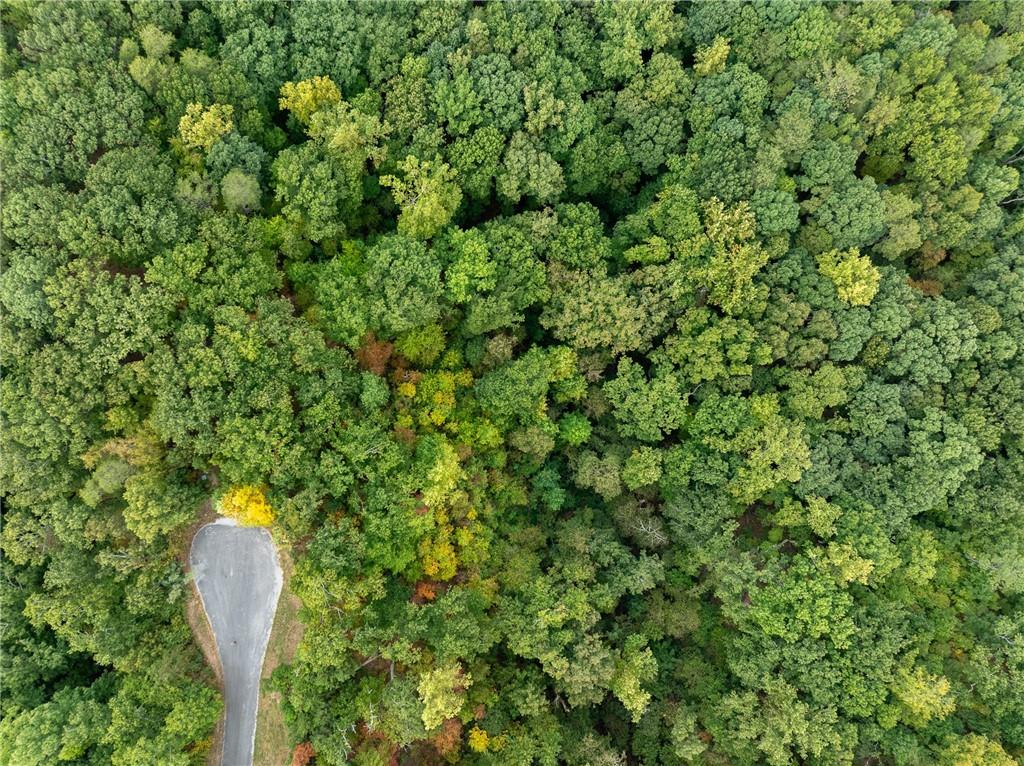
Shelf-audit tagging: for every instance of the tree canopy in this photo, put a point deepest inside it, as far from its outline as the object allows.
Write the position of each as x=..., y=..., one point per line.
x=631, y=382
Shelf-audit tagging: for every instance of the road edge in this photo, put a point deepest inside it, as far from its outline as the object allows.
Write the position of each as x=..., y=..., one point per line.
x=199, y=622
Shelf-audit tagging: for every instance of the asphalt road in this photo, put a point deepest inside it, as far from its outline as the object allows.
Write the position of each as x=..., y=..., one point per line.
x=239, y=580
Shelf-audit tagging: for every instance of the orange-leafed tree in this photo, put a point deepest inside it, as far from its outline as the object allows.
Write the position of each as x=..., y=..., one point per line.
x=303, y=754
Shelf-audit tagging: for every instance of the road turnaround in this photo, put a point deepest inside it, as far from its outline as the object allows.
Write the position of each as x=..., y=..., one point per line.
x=239, y=580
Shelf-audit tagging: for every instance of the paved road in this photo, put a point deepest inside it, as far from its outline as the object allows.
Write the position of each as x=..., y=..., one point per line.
x=239, y=579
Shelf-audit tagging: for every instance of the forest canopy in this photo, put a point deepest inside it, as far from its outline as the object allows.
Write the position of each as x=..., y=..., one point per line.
x=631, y=382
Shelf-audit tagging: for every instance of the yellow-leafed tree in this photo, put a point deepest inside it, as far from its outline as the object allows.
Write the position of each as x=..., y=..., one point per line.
x=855, y=277
x=304, y=98
x=200, y=127
x=248, y=506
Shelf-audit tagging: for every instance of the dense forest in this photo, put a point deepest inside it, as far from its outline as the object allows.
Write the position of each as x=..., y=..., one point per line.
x=631, y=382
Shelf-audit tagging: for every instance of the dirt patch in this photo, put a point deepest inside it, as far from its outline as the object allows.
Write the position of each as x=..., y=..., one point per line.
x=273, y=747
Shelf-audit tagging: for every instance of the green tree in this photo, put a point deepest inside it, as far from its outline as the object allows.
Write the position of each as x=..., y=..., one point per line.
x=426, y=195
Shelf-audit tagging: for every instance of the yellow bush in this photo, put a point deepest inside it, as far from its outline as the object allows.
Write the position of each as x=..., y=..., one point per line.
x=248, y=506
